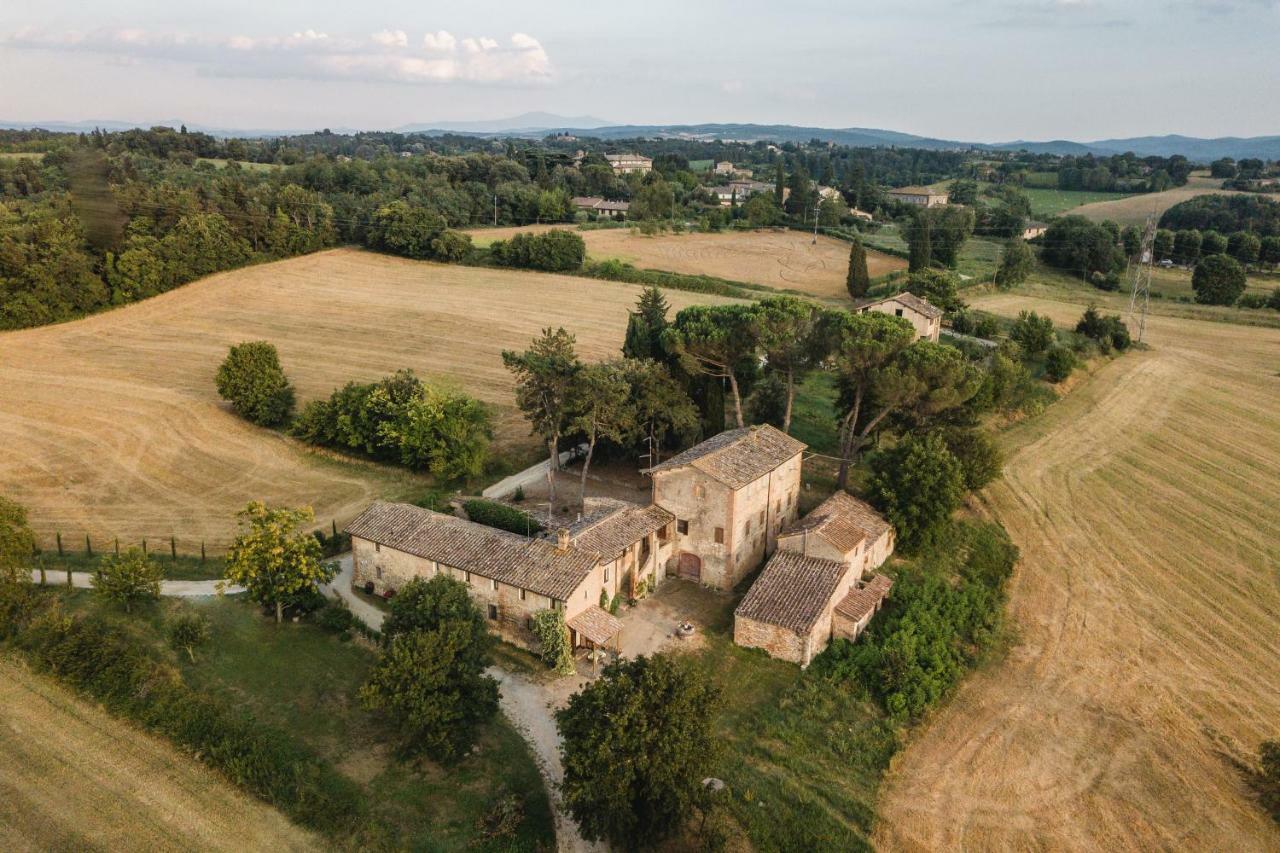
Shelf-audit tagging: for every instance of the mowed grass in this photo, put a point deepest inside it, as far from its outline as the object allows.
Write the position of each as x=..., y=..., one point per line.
x=74, y=778
x=1146, y=609
x=785, y=260
x=299, y=679
x=112, y=425
x=1135, y=209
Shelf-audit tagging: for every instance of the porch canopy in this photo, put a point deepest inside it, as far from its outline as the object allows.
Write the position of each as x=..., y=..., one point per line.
x=596, y=625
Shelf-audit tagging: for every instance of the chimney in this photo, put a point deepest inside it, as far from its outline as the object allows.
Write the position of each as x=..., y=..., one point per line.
x=562, y=539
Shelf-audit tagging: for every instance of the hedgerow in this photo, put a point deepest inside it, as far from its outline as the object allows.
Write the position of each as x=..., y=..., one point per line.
x=501, y=516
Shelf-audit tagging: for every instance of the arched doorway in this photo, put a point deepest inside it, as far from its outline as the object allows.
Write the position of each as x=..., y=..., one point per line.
x=689, y=566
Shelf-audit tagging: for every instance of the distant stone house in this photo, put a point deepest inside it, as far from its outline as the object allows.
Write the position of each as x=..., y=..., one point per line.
x=926, y=318
x=919, y=196
x=512, y=577
x=724, y=167
x=1034, y=230
x=602, y=207
x=625, y=163
x=730, y=496
x=813, y=588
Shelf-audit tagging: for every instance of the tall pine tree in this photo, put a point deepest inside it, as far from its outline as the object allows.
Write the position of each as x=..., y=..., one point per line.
x=858, y=282
x=920, y=244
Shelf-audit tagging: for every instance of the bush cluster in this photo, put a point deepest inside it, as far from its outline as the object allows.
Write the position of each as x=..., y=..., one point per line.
x=1109, y=332
x=501, y=516
x=107, y=664
x=253, y=381
x=557, y=250
x=402, y=420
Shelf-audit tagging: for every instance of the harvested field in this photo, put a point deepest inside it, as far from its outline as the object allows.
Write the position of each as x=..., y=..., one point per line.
x=783, y=259
x=1146, y=608
x=112, y=425
x=74, y=778
x=1133, y=210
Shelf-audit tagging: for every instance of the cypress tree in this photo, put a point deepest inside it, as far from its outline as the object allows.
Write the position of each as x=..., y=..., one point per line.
x=858, y=282
x=920, y=244
x=637, y=342
x=779, y=181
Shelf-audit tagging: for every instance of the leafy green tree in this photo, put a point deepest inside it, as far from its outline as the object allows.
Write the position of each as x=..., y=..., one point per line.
x=1032, y=332
x=426, y=604
x=938, y=287
x=253, y=381
x=662, y=407
x=127, y=578
x=405, y=229
x=602, y=408
x=637, y=744
x=950, y=226
x=917, y=484
x=1131, y=241
x=963, y=191
x=1218, y=280
x=432, y=684
x=713, y=341
x=1244, y=247
x=979, y=456
x=445, y=433
x=919, y=242
x=553, y=641
x=451, y=246
x=546, y=376
x=1109, y=331
x=1213, y=243
x=187, y=631
x=557, y=250
x=1269, y=251
x=273, y=558
x=1016, y=263
x=1163, y=245
x=762, y=209
x=858, y=281
x=1076, y=244
x=654, y=200
x=791, y=339
x=17, y=542
x=1186, y=246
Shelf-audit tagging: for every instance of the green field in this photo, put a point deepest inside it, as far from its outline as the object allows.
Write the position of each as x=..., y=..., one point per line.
x=1050, y=202
x=221, y=163
x=701, y=165
x=302, y=680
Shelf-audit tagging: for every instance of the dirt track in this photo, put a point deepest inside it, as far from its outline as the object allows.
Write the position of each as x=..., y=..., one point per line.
x=111, y=424
x=1147, y=611
x=74, y=778
x=786, y=260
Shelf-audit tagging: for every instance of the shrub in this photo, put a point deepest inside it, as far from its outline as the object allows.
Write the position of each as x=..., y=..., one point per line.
x=424, y=605
x=1108, y=331
x=557, y=250
x=1059, y=363
x=17, y=542
x=334, y=617
x=1252, y=300
x=252, y=380
x=501, y=516
x=980, y=458
x=188, y=631
x=451, y=246
x=1268, y=776
x=128, y=578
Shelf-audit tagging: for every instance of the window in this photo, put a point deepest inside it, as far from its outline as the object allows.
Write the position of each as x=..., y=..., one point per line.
x=493, y=585
x=746, y=528
x=719, y=535
x=377, y=546
x=682, y=527
x=467, y=576
x=664, y=533
x=606, y=574
x=493, y=612
x=778, y=506
x=378, y=572
x=762, y=518
x=699, y=490
x=523, y=592
x=897, y=313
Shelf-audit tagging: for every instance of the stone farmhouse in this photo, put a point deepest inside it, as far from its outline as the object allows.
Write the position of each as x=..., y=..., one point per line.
x=601, y=206
x=919, y=196
x=718, y=510
x=820, y=584
x=624, y=163
x=925, y=317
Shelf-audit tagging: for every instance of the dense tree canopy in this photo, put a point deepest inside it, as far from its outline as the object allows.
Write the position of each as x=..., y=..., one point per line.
x=253, y=381
x=1218, y=280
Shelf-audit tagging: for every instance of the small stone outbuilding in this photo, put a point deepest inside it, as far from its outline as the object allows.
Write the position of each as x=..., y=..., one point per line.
x=924, y=317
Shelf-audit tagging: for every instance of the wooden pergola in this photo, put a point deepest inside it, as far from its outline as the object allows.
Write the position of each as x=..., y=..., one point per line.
x=594, y=629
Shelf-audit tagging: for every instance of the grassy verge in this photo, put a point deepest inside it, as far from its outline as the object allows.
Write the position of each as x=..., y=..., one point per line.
x=300, y=680
x=184, y=568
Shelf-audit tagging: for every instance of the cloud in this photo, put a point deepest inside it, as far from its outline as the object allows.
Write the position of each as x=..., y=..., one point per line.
x=385, y=56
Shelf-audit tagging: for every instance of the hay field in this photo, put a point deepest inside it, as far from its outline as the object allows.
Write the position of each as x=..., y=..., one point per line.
x=1133, y=210
x=74, y=778
x=786, y=260
x=112, y=426
x=1146, y=610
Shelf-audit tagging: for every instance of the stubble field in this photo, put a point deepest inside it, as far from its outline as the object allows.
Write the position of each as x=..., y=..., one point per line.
x=140, y=795
x=1134, y=209
x=1146, y=612
x=787, y=260
x=112, y=425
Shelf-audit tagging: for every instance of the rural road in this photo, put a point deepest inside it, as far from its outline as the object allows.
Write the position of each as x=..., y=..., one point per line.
x=528, y=705
x=172, y=589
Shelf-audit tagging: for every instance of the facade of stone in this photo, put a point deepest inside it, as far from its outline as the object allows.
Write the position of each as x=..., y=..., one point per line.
x=924, y=317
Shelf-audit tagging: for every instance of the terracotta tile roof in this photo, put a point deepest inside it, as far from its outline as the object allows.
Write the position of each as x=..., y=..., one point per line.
x=792, y=591
x=736, y=457
x=531, y=564
x=611, y=535
x=917, y=191
x=909, y=300
x=598, y=626
x=843, y=521
x=860, y=602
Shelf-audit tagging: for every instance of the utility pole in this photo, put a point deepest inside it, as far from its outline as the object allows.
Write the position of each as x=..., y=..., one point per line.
x=1140, y=285
x=817, y=205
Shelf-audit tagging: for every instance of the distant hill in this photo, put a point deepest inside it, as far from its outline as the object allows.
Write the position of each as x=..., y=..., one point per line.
x=537, y=124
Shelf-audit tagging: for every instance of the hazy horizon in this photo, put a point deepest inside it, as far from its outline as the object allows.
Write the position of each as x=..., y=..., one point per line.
x=973, y=71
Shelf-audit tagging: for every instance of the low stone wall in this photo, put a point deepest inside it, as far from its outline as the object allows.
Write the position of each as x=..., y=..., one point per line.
x=777, y=642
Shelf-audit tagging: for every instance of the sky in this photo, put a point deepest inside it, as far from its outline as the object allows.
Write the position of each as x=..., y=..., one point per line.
x=973, y=70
